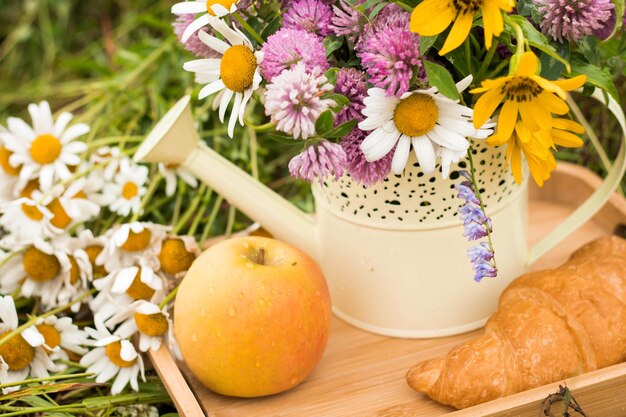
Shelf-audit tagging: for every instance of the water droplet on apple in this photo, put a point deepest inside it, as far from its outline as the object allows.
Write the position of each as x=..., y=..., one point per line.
x=246, y=245
x=219, y=333
x=211, y=290
x=194, y=337
x=273, y=343
x=269, y=303
x=293, y=380
x=261, y=302
x=203, y=313
x=250, y=265
x=240, y=295
x=258, y=364
x=231, y=311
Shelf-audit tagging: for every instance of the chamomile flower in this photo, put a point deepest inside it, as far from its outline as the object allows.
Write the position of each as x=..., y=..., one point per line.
x=144, y=317
x=61, y=335
x=8, y=173
x=210, y=9
x=132, y=243
x=236, y=74
x=77, y=271
x=11, y=271
x=177, y=254
x=171, y=174
x=93, y=247
x=107, y=162
x=120, y=288
x=71, y=206
x=46, y=150
x=22, y=355
x=27, y=219
x=123, y=195
x=111, y=357
x=432, y=123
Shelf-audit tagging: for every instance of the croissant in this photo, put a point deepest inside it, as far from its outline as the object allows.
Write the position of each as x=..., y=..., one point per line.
x=550, y=325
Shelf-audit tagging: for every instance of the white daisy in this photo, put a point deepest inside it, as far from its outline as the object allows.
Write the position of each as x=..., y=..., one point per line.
x=27, y=219
x=132, y=243
x=22, y=355
x=61, y=335
x=47, y=149
x=111, y=357
x=71, y=206
x=8, y=173
x=431, y=122
x=177, y=254
x=144, y=317
x=171, y=174
x=11, y=271
x=209, y=10
x=76, y=273
x=107, y=160
x=236, y=73
x=93, y=247
x=123, y=195
x=120, y=288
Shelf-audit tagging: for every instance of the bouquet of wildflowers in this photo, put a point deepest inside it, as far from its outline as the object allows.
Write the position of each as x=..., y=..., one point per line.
x=358, y=85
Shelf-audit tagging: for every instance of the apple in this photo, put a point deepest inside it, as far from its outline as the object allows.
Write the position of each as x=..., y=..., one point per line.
x=252, y=316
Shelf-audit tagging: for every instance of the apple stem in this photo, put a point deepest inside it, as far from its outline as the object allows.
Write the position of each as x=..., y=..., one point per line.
x=261, y=256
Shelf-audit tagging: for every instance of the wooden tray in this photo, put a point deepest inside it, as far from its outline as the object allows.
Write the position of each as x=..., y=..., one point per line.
x=362, y=374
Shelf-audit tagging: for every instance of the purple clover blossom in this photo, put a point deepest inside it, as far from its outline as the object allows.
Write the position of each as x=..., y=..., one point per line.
x=347, y=21
x=572, y=20
x=477, y=225
x=313, y=16
x=318, y=161
x=194, y=44
x=362, y=171
x=294, y=100
x=389, y=52
x=288, y=47
x=351, y=83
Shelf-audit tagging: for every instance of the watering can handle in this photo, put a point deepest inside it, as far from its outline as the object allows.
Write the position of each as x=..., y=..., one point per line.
x=597, y=200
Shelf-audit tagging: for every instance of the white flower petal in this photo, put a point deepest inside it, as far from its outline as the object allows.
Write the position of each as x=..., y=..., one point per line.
x=425, y=154
x=401, y=155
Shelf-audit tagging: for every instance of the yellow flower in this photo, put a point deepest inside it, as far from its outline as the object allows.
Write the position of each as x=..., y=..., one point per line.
x=525, y=94
x=431, y=17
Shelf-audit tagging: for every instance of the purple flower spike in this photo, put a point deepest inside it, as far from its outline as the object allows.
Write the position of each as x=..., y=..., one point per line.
x=572, y=20
x=477, y=225
x=318, y=161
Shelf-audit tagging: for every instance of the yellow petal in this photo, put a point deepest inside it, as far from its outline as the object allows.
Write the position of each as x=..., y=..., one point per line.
x=541, y=116
x=458, y=33
x=522, y=132
x=485, y=106
x=566, y=139
x=552, y=103
x=507, y=118
x=516, y=163
x=570, y=84
x=550, y=86
x=492, y=18
x=528, y=64
x=567, y=124
x=489, y=85
x=528, y=117
x=431, y=17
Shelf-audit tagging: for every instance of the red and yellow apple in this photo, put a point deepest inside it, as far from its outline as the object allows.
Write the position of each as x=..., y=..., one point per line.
x=252, y=317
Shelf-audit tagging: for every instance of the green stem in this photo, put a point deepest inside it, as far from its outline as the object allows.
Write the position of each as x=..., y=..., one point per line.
x=114, y=140
x=146, y=198
x=248, y=28
x=190, y=211
x=209, y=224
x=468, y=55
x=46, y=379
x=169, y=297
x=230, y=222
x=403, y=5
x=264, y=128
x=33, y=320
x=486, y=62
x=11, y=256
x=206, y=199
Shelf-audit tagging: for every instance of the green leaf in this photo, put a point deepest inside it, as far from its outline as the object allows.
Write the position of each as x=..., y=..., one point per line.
x=340, y=99
x=332, y=43
x=552, y=69
x=284, y=139
x=595, y=76
x=324, y=123
x=535, y=38
x=331, y=75
x=341, y=130
x=439, y=77
x=426, y=42
x=620, y=6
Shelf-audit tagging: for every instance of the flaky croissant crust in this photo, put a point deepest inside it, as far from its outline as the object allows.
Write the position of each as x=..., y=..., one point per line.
x=550, y=325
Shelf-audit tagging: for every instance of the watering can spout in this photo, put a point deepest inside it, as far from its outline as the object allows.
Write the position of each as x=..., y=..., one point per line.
x=175, y=141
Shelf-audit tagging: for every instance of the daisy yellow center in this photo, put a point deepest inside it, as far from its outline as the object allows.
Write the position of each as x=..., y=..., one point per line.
x=113, y=351
x=74, y=270
x=32, y=212
x=60, y=218
x=416, y=115
x=137, y=241
x=226, y=3
x=5, y=154
x=152, y=324
x=521, y=89
x=40, y=266
x=466, y=6
x=16, y=352
x=174, y=257
x=31, y=186
x=45, y=149
x=237, y=68
x=50, y=334
x=130, y=190
x=81, y=195
x=139, y=290
x=92, y=253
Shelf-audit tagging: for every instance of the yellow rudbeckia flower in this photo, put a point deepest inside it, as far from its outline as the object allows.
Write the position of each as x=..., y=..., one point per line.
x=526, y=96
x=431, y=17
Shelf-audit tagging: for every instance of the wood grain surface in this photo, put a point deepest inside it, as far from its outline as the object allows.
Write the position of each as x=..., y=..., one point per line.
x=362, y=374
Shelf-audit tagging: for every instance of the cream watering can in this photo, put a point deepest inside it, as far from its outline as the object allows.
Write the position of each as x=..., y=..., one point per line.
x=393, y=254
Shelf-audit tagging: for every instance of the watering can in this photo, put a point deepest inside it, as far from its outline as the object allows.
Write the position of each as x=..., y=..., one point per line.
x=393, y=254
